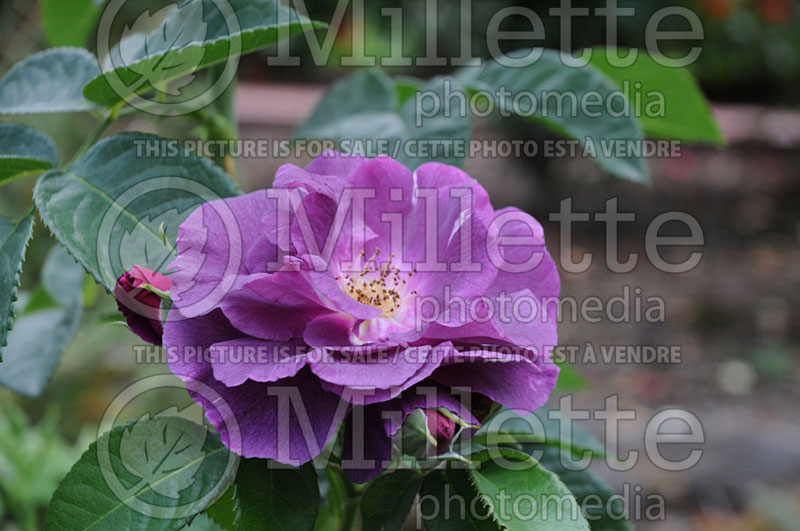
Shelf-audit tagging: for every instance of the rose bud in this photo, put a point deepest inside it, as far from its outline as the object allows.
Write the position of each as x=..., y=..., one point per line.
x=139, y=304
x=442, y=427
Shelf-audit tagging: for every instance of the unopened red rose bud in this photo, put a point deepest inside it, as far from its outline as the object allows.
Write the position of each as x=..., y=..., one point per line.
x=140, y=306
x=443, y=428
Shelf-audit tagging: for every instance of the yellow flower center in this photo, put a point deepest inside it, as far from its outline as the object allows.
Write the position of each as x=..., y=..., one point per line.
x=377, y=286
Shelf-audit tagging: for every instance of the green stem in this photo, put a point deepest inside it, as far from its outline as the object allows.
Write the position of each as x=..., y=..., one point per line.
x=218, y=115
x=225, y=107
x=25, y=515
x=349, y=516
x=96, y=134
x=219, y=128
x=221, y=119
x=344, y=498
x=337, y=494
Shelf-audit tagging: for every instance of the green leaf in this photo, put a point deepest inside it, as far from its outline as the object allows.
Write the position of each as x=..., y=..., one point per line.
x=225, y=511
x=506, y=427
x=678, y=109
x=113, y=488
x=550, y=76
x=203, y=523
x=388, y=500
x=528, y=498
x=363, y=108
x=69, y=22
x=326, y=521
x=361, y=104
x=24, y=151
x=405, y=88
x=192, y=37
x=167, y=452
x=569, y=379
x=588, y=490
x=89, y=291
x=49, y=81
x=449, y=502
x=14, y=236
x=62, y=277
x=110, y=207
x=40, y=335
x=335, y=503
x=277, y=498
x=39, y=299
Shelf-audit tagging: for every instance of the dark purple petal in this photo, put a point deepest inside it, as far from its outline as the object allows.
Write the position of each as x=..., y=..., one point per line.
x=239, y=360
x=273, y=306
x=511, y=379
x=256, y=407
x=290, y=420
x=393, y=187
x=460, y=281
x=372, y=395
x=186, y=339
x=367, y=449
x=369, y=369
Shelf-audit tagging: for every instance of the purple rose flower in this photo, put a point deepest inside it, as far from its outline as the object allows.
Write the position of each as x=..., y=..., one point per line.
x=348, y=292
x=140, y=306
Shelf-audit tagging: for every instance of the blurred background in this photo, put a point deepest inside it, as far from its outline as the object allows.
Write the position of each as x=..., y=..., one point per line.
x=736, y=317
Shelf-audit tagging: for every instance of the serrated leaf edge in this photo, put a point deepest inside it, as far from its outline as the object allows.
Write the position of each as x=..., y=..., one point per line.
x=8, y=325
x=49, y=222
x=554, y=477
x=93, y=449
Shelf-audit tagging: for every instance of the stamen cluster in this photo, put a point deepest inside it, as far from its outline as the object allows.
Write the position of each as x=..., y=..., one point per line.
x=380, y=286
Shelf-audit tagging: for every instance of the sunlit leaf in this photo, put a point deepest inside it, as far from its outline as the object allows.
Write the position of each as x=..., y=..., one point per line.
x=49, y=81
x=668, y=100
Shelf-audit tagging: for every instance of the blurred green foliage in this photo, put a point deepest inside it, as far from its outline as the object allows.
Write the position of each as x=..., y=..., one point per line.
x=33, y=459
x=760, y=37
